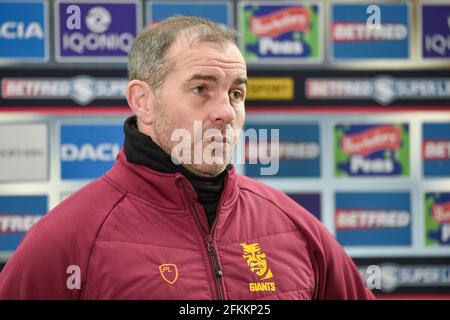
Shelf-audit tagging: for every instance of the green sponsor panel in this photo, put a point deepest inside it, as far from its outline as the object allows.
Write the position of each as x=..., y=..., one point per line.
x=371, y=150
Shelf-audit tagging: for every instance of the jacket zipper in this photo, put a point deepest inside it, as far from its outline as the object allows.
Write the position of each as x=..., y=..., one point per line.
x=209, y=245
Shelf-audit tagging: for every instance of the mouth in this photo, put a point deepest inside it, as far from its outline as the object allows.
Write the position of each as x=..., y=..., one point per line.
x=218, y=140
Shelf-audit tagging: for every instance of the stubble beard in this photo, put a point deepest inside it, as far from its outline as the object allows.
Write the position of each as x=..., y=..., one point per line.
x=163, y=129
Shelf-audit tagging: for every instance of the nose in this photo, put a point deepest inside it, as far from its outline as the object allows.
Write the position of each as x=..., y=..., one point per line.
x=223, y=111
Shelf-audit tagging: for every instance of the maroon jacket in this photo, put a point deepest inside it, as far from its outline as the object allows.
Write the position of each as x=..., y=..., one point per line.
x=140, y=234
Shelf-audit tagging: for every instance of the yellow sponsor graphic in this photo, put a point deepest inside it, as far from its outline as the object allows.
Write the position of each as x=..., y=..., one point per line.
x=270, y=88
x=256, y=260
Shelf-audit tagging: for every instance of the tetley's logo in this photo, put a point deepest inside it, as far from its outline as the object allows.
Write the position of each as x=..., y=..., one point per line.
x=256, y=260
x=282, y=21
x=372, y=140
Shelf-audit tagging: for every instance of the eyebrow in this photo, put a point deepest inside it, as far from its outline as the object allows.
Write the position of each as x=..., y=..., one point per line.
x=240, y=80
x=197, y=76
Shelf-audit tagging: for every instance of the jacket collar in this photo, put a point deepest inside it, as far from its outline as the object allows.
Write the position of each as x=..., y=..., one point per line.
x=164, y=189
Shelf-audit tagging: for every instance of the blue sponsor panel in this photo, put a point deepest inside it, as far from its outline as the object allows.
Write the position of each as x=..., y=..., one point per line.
x=23, y=30
x=373, y=219
x=88, y=151
x=436, y=149
x=86, y=30
x=17, y=215
x=309, y=201
x=435, y=31
x=355, y=35
x=282, y=150
x=219, y=12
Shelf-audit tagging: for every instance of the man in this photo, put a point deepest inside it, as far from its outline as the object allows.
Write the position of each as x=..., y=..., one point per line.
x=162, y=224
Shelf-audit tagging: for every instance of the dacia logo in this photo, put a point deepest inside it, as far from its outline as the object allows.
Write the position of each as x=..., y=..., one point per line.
x=256, y=260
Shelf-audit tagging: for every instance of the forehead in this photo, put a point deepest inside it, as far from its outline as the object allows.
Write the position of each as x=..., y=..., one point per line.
x=190, y=55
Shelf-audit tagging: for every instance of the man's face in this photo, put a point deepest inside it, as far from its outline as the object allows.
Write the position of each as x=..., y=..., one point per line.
x=207, y=86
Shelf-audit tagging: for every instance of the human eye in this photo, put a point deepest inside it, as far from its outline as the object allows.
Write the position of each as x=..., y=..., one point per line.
x=200, y=90
x=236, y=94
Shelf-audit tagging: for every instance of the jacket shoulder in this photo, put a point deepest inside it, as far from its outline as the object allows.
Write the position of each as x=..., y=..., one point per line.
x=274, y=197
x=62, y=238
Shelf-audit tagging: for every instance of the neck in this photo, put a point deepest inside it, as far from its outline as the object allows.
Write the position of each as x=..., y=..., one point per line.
x=141, y=149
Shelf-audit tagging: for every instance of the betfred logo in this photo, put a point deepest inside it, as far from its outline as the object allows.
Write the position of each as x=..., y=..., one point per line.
x=17, y=223
x=81, y=89
x=294, y=150
x=354, y=32
x=371, y=219
x=286, y=150
x=282, y=21
x=436, y=150
x=372, y=140
x=359, y=33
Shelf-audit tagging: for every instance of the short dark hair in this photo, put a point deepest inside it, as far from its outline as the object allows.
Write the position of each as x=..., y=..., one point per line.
x=147, y=60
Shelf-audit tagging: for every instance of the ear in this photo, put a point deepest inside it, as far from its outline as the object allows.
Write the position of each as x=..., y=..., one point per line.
x=140, y=99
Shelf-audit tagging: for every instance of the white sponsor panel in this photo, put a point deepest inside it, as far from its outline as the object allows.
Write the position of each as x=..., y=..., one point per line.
x=23, y=152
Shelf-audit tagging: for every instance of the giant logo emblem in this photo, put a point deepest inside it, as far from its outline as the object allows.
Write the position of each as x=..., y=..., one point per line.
x=256, y=260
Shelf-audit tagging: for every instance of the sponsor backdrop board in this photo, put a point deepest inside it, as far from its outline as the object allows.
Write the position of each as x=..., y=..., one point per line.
x=297, y=147
x=271, y=89
x=88, y=151
x=88, y=30
x=437, y=218
x=355, y=36
x=24, y=31
x=309, y=201
x=371, y=150
x=300, y=58
x=217, y=11
x=17, y=214
x=372, y=216
x=408, y=278
x=281, y=32
x=435, y=30
x=23, y=152
x=373, y=219
x=436, y=149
